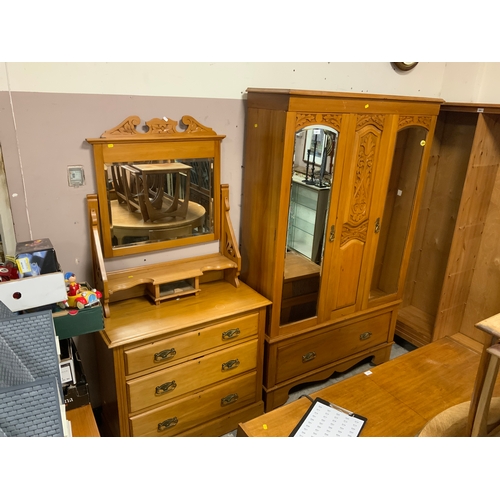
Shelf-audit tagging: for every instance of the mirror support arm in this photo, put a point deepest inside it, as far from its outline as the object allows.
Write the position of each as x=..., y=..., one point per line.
x=228, y=244
x=99, y=270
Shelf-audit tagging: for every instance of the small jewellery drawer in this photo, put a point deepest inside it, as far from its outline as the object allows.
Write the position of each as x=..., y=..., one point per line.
x=296, y=358
x=181, y=415
x=180, y=379
x=160, y=353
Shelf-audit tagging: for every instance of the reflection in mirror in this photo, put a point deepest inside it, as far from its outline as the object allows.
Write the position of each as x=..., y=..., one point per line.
x=312, y=174
x=159, y=200
x=398, y=210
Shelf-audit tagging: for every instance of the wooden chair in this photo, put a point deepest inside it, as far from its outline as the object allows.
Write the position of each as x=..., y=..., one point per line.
x=157, y=202
x=479, y=417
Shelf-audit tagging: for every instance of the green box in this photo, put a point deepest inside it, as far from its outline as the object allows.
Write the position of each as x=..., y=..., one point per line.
x=87, y=320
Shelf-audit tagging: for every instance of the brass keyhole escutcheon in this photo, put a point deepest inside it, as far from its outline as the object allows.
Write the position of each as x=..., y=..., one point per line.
x=332, y=233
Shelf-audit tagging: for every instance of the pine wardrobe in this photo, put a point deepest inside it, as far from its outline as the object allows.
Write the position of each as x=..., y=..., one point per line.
x=331, y=188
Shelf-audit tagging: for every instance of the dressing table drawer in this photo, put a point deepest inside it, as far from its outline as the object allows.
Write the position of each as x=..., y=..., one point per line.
x=181, y=379
x=181, y=415
x=163, y=352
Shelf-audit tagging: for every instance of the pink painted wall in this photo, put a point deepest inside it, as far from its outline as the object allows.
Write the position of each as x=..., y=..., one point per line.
x=49, y=135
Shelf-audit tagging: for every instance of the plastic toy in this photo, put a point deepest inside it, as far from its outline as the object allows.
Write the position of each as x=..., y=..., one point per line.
x=72, y=286
x=8, y=271
x=80, y=295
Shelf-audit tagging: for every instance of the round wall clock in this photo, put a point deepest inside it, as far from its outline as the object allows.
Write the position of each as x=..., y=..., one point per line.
x=405, y=66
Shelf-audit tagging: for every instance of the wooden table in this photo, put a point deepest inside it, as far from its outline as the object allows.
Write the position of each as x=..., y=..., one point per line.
x=131, y=224
x=398, y=397
x=83, y=423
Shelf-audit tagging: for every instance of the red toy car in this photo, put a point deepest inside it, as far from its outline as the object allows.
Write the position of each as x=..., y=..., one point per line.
x=85, y=297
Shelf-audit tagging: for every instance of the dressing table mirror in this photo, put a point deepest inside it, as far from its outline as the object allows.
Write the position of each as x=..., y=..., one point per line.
x=158, y=187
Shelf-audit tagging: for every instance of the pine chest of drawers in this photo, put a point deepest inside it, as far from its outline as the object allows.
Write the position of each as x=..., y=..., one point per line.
x=187, y=367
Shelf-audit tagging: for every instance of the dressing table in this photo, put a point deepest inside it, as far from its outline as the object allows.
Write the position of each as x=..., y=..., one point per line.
x=181, y=353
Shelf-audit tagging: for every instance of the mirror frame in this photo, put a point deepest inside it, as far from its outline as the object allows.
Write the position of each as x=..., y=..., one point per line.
x=161, y=140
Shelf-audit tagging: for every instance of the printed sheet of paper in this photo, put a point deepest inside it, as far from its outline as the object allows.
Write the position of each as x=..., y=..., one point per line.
x=324, y=420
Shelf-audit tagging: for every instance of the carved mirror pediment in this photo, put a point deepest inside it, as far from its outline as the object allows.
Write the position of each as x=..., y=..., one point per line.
x=157, y=188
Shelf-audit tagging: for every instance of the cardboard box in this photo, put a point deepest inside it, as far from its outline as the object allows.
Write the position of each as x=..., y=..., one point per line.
x=36, y=257
x=36, y=291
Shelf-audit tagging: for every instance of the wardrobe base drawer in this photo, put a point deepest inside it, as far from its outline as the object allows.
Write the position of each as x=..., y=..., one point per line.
x=296, y=358
x=179, y=416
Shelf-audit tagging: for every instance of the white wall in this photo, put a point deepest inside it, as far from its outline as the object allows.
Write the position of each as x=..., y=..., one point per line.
x=456, y=81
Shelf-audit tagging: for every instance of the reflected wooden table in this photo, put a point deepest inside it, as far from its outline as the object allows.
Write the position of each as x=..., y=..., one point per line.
x=128, y=224
x=152, y=175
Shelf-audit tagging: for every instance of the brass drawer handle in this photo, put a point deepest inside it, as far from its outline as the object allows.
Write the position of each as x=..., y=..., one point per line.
x=377, y=225
x=308, y=357
x=231, y=334
x=166, y=424
x=365, y=335
x=229, y=365
x=164, y=355
x=166, y=387
x=231, y=398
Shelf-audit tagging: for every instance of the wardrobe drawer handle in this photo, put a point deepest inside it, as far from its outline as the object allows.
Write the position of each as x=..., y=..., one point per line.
x=308, y=357
x=230, y=398
x=231, y=334
x=166, y=387
x=166, y=424
x=164, y=355
x=229, y=365
x=365, y=335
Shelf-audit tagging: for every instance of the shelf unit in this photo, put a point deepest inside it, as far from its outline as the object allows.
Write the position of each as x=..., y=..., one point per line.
x=440, y=297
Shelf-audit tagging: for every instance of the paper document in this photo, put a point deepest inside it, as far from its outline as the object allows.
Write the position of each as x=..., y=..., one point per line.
x=324, y=419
